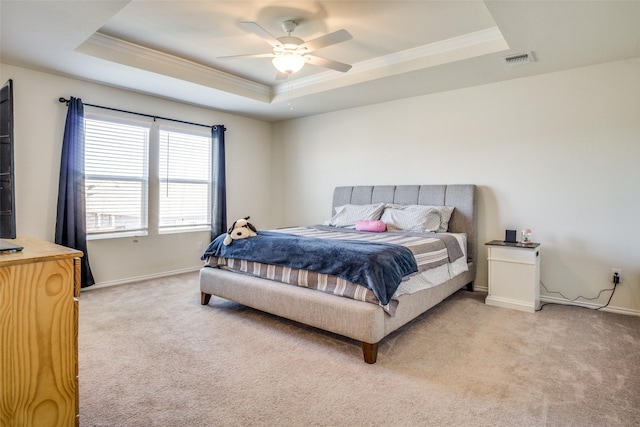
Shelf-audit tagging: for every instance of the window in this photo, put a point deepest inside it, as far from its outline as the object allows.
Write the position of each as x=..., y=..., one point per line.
x=185, y=180
x=116, y=181
x=145, y=179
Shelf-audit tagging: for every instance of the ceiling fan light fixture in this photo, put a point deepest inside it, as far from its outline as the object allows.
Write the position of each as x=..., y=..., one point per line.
x=288, y=63
x=290, y=53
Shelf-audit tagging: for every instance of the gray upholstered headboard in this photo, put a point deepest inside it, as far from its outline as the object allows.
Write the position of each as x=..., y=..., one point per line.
x=462, y=196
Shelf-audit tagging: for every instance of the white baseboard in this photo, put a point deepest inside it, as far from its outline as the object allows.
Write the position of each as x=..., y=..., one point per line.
x=480, y=289
x=612, y=309
x=553, y=300
x=139, y=278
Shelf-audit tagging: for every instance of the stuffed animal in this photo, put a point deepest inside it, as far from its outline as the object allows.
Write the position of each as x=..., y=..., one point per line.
x=241, y=229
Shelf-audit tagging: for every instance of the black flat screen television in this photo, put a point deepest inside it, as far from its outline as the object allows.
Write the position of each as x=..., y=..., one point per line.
x=7, y=184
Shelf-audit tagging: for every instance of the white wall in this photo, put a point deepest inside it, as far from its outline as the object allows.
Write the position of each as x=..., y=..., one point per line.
x=39, y=127
x=557, y=153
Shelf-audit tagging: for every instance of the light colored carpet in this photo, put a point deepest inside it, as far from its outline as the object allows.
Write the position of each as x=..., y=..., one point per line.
x=151, y=355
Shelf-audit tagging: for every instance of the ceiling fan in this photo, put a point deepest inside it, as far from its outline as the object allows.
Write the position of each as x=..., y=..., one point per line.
x=291, y=53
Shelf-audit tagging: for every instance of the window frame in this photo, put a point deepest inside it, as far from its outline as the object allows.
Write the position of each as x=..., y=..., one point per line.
x=145, y=188
x=151, y=209
x=193, y=131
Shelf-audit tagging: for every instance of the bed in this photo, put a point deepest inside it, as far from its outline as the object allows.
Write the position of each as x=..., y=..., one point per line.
x=358, y=319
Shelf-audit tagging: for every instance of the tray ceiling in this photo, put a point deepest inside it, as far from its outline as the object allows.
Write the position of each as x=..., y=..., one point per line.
x=171, y=49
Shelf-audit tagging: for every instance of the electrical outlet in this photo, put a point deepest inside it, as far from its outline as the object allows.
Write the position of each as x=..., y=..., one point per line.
x=199, y=245
x=617, y=271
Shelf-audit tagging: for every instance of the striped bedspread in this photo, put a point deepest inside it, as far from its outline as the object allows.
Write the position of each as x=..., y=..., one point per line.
x=430, y=250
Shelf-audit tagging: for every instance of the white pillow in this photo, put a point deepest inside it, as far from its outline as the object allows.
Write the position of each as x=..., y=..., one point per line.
x=412, y=218
x=348, y=215
x=445, y=214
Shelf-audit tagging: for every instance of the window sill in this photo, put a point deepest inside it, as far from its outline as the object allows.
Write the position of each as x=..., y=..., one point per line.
x=175, y=230
x=117, y=235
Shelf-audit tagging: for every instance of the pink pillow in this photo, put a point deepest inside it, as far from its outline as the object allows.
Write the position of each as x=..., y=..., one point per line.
x=374, y=225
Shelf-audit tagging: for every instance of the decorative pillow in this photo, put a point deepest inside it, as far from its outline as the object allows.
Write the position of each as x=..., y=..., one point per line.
x=445, y=216
x=412, y=218
x=445, y=213
x=348, y=215
x=373, y=225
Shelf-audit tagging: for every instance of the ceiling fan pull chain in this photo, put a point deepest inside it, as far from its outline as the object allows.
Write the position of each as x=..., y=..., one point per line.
x=290, y=93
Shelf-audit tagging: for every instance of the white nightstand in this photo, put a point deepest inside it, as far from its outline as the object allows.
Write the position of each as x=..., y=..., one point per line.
x=514, y=275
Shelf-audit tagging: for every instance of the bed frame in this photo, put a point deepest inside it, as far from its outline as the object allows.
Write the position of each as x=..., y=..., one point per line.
x=361, y=321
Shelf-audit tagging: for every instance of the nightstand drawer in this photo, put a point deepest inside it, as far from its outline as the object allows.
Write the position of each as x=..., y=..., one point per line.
x=524, y=255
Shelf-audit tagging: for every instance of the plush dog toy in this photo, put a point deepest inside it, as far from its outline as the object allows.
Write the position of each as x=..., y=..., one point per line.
x=241, y=229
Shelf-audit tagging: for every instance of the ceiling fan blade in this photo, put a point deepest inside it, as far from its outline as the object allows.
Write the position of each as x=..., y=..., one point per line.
x=251, y=55
x=328, y=63
x=261, y=32
x=281, y=76
x=327, y=40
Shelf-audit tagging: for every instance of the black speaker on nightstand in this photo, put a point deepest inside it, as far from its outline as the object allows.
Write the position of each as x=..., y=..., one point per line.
x=510, y=236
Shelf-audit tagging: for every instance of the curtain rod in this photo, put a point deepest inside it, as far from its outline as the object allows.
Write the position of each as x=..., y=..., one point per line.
x=66, y=101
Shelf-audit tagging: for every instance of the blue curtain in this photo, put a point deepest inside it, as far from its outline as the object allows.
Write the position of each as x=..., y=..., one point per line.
x=71, y=230
x=218, y=183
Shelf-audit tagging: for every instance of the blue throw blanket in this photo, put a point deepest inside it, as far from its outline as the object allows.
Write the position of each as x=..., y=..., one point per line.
x=377, y=266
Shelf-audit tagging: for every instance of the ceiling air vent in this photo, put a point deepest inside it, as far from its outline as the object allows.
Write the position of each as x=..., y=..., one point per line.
x=520, y=58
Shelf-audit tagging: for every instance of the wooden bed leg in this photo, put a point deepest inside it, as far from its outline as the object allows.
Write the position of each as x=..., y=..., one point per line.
x=204, y=298
x=370, y=352
x=470, y=286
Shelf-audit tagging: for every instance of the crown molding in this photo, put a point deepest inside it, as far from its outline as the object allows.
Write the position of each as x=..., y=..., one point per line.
x=130, y=54
x=490, y=37
x=117, y=50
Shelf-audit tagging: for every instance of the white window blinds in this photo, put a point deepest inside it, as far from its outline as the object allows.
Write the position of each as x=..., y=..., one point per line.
x=185, y=181
x=116, y=177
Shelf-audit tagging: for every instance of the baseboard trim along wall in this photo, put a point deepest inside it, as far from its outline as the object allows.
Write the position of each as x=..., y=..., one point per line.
x=543, y=299
x=590, y=305
x=129, y=280
x=553, y=300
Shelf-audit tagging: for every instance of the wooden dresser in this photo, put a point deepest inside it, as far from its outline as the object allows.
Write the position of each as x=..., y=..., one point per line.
x=39, y=287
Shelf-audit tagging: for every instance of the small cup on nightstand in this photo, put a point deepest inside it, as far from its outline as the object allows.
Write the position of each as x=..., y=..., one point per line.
x=526, y=235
